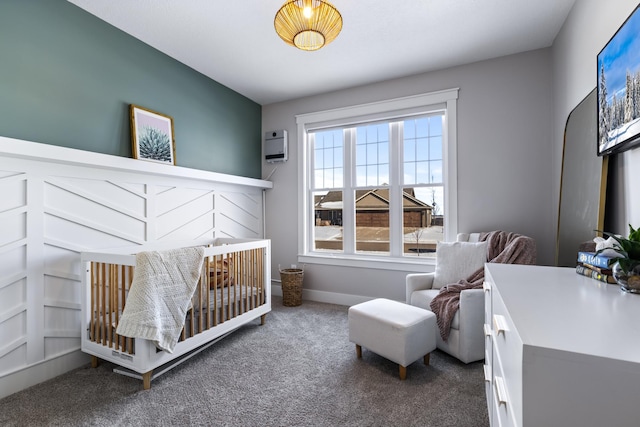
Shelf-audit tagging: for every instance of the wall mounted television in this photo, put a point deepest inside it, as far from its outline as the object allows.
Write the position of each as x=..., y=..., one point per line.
x=619, y=89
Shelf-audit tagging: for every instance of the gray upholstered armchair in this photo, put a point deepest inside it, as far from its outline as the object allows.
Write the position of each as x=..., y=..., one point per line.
x=455, y=261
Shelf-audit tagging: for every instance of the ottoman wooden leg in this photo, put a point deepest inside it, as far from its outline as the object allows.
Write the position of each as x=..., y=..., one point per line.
x=403, y=372
x=426, y=358
x=359, y=351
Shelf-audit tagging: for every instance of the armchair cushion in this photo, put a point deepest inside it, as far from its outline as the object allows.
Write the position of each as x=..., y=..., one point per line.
x=458, y=260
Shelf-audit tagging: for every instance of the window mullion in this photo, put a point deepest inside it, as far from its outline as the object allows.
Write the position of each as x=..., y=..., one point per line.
x=310, y=144
x=348, y=196
x=396, y=239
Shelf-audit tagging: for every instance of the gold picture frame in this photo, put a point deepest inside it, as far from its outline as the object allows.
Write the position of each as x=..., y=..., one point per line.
x=152, y=136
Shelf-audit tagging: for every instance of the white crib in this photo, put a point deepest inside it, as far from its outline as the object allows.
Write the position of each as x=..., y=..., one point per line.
x=234, y=288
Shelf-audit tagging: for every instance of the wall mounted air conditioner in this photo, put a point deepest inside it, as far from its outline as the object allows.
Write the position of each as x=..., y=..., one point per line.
x=275, y=146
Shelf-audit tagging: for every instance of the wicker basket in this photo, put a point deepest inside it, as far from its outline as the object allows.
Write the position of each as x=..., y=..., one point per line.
x=291, y=286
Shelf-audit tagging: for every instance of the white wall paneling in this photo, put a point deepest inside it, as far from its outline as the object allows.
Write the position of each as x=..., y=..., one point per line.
x=57, y=202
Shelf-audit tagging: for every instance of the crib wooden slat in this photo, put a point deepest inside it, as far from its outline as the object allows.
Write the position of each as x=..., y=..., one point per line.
x=207, y=300
x=92, y=319
x=260, y=278
x=225, y=307
x=240, y=282
x=95, y=313
x=248, y=288
x=199, y=289
x=119, y=283
x=103, y=313
x=109, y=302
x=229, y=299
x=254, y=275
x=129, y=341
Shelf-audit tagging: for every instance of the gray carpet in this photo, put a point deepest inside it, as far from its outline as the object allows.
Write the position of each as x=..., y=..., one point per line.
x=299, y=369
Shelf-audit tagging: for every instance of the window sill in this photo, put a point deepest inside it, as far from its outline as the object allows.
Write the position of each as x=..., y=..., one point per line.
x=411, y=265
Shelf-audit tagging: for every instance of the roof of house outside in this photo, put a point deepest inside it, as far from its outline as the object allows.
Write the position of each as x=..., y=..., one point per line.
x=370, y=199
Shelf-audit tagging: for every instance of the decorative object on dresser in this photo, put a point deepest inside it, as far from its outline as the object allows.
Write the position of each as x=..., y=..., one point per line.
x=454, y=291
x=598, y=266
x=626, y=269
x=600, y=274
x=560, y=349
x=152, y=135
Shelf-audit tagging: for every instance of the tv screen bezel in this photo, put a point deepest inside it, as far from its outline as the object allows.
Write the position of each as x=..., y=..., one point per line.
x=632, y=140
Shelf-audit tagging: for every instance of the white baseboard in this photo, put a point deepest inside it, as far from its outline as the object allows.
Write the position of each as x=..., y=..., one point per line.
x=323, y=296
x=39, y=372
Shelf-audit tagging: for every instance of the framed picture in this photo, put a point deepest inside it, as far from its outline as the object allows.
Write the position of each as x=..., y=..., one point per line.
x=152, y=136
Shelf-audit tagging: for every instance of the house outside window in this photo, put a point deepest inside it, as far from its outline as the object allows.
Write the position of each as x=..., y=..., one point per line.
x=378, y=187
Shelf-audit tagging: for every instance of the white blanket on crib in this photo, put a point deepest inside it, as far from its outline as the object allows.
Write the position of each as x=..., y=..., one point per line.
x=160, y=295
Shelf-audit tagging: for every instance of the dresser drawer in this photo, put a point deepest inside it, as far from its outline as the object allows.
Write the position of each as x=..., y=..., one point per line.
x=501, y=414
x=488, y=368
x=488, y=388
x=507, y=354
x=502, y=405
x=505, y=334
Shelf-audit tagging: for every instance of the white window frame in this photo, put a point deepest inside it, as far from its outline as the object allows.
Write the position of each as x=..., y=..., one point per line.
x=390, y=109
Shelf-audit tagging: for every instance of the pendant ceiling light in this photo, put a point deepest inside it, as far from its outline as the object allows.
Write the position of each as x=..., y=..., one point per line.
x=308, y=24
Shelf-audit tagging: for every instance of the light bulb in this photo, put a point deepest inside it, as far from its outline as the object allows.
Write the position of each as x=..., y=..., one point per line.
x=307, y=12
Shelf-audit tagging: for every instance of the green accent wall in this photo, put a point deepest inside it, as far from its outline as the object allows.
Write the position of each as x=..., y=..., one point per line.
x=67, y=78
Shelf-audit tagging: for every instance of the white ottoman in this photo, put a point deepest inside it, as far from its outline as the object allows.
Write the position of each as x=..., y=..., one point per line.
x=399, y=332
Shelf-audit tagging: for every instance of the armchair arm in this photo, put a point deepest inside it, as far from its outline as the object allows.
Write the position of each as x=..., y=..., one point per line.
x=418, y=282
x=471, y=324
x=472, y=306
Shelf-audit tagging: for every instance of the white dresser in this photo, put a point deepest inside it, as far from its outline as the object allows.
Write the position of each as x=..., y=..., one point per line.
x=562, y=349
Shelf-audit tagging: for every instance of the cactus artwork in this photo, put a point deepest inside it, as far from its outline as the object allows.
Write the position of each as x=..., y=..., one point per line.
x=152, y=135
x=154, y=144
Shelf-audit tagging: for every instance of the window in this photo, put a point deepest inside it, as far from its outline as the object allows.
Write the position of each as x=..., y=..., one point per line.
x=377, y=187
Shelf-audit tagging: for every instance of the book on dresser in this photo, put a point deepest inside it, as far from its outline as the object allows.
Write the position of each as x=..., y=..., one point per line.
x=599, y=260
x=597, y=273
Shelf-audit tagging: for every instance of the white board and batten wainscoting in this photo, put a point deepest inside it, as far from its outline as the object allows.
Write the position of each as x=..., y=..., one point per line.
x=57, y=202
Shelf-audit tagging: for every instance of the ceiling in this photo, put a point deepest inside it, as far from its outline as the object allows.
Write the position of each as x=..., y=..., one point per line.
x=234, y=43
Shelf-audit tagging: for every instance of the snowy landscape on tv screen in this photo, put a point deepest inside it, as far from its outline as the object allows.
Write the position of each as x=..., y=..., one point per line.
x=619, y=88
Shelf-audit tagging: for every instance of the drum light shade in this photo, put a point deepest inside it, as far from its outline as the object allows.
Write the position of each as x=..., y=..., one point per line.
x=308, y=24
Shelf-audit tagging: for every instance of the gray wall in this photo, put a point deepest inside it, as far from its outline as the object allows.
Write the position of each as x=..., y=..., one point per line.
x=505, y=171
x=588, y=28
x=67, y=78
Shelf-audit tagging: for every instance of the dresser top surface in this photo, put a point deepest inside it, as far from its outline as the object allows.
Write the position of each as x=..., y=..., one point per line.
x=558, y=309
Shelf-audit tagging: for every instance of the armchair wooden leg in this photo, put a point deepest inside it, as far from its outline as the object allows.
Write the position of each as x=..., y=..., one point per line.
x=426, y=358
x=359, y=351
x=403, y=372
x=94, y=362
